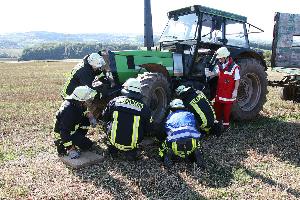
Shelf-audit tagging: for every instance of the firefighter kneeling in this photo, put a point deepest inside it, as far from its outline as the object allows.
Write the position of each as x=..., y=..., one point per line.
x=72, y=123
x=128, y=119
x=182, y=136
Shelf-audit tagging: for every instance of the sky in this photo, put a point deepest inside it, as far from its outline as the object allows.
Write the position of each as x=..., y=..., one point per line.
x=124, y=16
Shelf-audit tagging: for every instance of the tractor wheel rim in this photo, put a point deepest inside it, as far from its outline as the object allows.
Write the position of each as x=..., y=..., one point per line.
x=249, y=92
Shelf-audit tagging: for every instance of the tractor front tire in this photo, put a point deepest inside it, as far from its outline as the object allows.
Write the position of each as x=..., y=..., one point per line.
x=156, y=94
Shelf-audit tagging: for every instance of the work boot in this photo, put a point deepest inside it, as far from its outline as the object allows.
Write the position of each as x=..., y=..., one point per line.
x=199, y=159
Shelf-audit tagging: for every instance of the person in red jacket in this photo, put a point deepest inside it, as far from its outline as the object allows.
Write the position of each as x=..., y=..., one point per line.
x=227, y=87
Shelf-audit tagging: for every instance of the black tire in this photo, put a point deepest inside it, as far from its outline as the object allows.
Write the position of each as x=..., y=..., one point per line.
x=252, y=90
x=286, y=93
x=156, y=92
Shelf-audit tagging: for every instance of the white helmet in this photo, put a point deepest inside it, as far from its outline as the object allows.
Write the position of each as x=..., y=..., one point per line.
x=177, y=103
x=95, y=60
x=181, y=89
x=132, y=85
x=222, y=52
x=82, y=93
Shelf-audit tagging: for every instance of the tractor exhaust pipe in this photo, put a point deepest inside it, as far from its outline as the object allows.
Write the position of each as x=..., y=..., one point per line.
x=148, y=30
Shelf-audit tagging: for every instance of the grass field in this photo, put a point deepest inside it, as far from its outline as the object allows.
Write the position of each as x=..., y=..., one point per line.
x=258, y=159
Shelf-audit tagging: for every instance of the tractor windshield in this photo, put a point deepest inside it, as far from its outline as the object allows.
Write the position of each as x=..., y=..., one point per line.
x=180, y=28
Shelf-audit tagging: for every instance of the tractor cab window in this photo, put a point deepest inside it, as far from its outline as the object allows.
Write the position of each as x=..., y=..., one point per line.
x=180, y=28
x=211, y=29
x=235, y=33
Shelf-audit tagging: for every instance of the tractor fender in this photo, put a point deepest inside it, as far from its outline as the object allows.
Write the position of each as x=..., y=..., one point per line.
x=242, y=53
x=156, y=68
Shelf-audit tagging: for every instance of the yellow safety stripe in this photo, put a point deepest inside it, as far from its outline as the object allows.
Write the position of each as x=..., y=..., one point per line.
x=85, y=112
x=113, y=132
x=76, y=127
x=182, y=153
x=194, y=144
x=64, y=90
x=123, y=147
x=67, y=144
x=84, y=127
x=174, y=148
x=201, y=114
x=135, y=131
x=57, y=136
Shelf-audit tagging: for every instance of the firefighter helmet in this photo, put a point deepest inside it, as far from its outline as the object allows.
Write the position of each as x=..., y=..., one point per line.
x=132, y=85
x=177, y=103
x=181, y=89
x=95, y=60
x=222, y=52
x=82, y=93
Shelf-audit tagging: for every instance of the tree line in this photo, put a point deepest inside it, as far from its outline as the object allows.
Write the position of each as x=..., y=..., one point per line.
x=59, y=51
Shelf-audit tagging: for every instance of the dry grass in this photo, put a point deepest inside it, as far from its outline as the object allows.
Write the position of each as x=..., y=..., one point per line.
x=259, y=159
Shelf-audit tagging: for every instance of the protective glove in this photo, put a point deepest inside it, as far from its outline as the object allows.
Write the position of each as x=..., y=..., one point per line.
x=93, y=122
x=74, y=154
x=234, y=94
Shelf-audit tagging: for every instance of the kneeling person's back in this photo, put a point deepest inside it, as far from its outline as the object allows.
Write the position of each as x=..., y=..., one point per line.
x=128, y=119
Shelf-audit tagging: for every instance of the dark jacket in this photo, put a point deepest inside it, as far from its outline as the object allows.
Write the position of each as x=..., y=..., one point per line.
x=81, y=74
x=198, y=104
x=70, y=118
x=128, y=120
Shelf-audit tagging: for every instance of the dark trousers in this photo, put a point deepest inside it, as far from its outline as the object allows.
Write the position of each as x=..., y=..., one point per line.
x=184, y=148
x=80, y=140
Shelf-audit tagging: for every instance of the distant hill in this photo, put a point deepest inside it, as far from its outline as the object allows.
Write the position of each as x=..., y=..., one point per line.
x=29, y=39
x=13, y=44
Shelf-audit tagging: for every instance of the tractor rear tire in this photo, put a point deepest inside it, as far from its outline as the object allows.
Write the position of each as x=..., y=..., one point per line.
x=156, y=94
x=252, y=90
x=287, y=93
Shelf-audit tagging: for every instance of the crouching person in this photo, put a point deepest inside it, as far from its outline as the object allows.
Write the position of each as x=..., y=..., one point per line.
x=72, y=123
x=182, y=137
x=128, y=119
x=197, y=103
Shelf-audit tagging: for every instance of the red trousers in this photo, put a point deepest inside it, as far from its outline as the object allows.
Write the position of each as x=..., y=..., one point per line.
x=223, y=111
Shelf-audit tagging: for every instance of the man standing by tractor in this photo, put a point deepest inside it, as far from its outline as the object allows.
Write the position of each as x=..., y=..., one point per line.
x=72, y=123
x=128, y=120
x=182, y=139
x=197, y=103
x=227, y=87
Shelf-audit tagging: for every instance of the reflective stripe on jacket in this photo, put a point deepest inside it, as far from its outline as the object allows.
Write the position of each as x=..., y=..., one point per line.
x=69, y=118
x=197, y=103
x=128, y=120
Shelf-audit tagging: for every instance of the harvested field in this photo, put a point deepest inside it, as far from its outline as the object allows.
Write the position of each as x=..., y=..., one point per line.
x=257, y=159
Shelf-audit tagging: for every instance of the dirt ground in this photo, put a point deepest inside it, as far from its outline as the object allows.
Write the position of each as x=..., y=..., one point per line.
x=258, y=159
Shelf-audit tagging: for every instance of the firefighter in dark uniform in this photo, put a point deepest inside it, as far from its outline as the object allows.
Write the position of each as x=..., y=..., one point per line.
x=128, y=120
x=182, y=139
x=86, y=73
x=197, y=103
x=72, y=124
x=95, y=73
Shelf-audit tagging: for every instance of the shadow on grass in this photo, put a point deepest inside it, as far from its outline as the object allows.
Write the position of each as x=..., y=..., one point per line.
x=270, y=136
x=142, y=179
x=147, y=178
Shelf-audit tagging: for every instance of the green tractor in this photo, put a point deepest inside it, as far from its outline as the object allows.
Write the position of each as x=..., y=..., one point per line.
x=186, y=47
